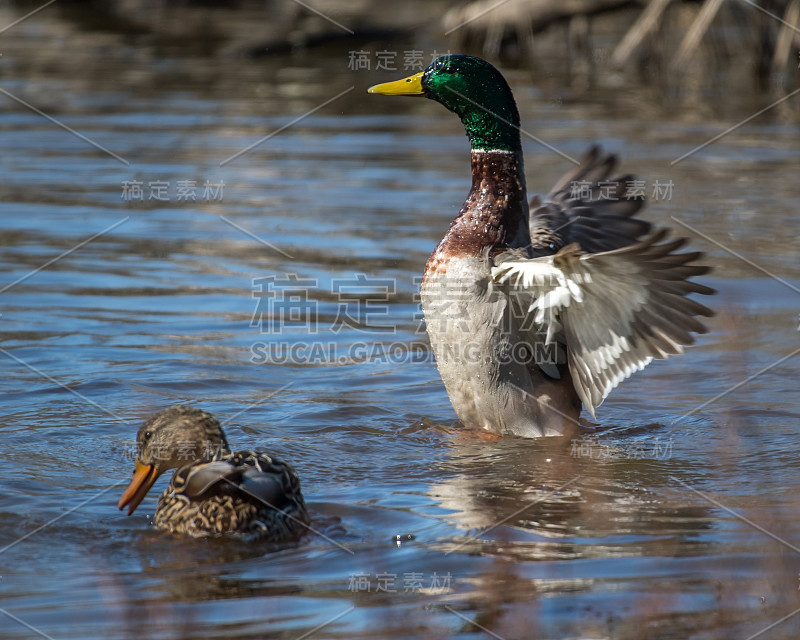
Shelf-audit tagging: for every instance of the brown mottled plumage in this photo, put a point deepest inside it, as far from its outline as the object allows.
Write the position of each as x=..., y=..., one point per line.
x=214, y=492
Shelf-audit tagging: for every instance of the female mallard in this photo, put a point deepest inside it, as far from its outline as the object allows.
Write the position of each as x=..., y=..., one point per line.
x=531, y=315
x=214, y=492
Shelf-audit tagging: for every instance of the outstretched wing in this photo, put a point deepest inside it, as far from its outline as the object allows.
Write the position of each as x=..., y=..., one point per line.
x=589, y=208
x=615, y=311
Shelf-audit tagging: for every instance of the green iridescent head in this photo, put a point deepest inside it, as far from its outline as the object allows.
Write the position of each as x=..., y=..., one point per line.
x=472, y=89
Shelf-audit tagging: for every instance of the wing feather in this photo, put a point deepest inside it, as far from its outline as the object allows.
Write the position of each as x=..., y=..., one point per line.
x=589, y=208
x=615, y=311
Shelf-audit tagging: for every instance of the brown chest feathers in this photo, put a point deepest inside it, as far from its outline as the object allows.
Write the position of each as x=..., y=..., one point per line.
x=495, y=214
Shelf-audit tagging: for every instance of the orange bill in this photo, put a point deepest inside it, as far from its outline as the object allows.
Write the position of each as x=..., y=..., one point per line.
x=144, y=476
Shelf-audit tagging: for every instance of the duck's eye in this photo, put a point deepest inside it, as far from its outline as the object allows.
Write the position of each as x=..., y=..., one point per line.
x=147, y=435
x=449, y=70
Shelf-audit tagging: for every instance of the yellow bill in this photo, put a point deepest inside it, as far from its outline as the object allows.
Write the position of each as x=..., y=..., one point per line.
x=411, y=86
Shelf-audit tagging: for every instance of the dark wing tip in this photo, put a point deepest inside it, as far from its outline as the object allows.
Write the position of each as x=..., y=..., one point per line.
x=589, y=207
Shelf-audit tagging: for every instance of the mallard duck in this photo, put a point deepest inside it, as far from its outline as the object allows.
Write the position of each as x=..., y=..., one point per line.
x=533, y=314
x=214, y=492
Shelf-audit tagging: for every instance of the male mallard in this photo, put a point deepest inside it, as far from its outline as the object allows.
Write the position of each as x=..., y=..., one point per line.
x=214, y=492
x=531, y=315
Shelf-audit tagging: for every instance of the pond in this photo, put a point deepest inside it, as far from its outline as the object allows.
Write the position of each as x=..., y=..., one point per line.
x=246, y=236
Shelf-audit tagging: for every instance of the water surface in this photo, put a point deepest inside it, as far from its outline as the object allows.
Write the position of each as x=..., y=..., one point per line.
x=677, y=519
